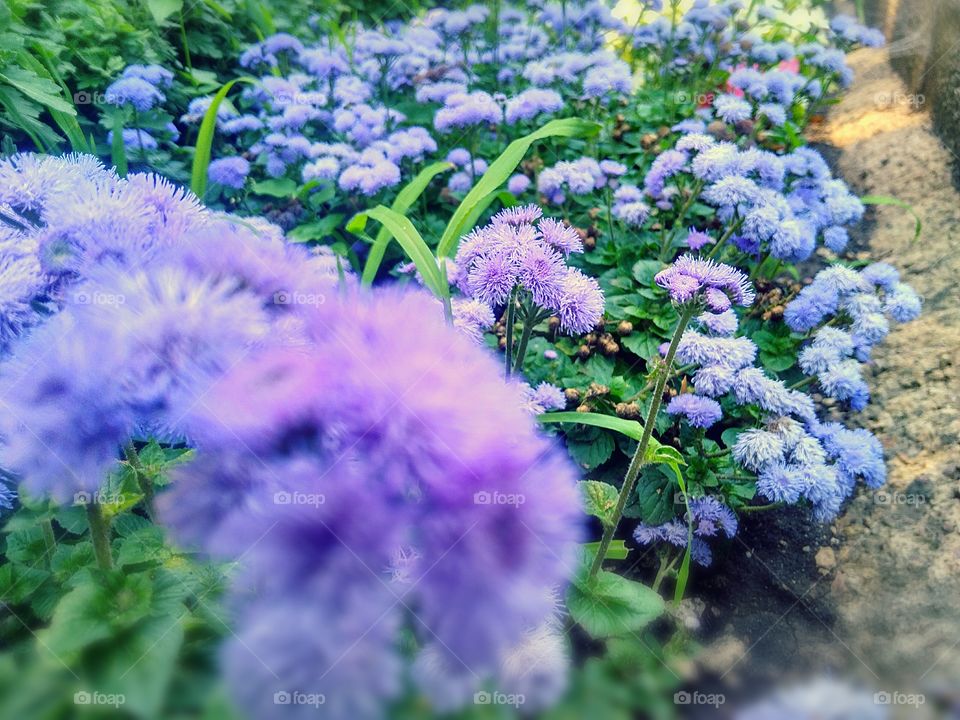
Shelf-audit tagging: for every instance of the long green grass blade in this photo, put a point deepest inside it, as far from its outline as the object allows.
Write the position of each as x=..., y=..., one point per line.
x=896, y=202
x=405, y=198
x=400, y=227
x=630, y=428
x=500, y=170
x=201, y=154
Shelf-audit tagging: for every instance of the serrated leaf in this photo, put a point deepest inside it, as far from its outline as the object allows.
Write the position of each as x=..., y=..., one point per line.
x=600, y=499
x=592, y=454
x=611, y=605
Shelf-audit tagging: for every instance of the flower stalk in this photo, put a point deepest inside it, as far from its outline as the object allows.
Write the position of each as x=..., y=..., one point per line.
x=640, y=456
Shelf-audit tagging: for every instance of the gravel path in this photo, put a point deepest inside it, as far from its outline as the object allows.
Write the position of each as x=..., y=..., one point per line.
x=874, y=598
x=895, y=586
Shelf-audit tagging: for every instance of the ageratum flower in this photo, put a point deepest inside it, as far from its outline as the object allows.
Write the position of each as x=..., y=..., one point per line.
x=719, y=285
x=700, y=412
x=134, y=91
x=156, y=75
x=361, y=488
x=532, y=102
x=462, y=110
x=513, y=252
x=230, y=172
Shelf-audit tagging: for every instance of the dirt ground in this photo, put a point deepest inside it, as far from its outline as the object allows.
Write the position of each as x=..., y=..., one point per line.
x=876, y=597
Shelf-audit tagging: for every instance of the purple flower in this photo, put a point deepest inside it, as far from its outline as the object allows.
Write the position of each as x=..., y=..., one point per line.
x=367, y=482
x=580, y=305
x=134, y=91
x=755, y=449
x=156, y=75
x=518, y=184
x=462, y=110
x=691, y=277
x=697, y=239
x=700, y=412
x=230, y=172
x=732, y=109
x=532, y=102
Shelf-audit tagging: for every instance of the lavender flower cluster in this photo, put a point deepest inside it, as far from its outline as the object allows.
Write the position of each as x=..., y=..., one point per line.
x=522, y=250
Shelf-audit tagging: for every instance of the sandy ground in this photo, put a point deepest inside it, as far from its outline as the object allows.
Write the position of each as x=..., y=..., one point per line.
x=875, y=598
x=896, y=583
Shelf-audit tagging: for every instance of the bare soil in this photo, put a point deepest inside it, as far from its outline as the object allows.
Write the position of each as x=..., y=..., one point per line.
x=874, y=598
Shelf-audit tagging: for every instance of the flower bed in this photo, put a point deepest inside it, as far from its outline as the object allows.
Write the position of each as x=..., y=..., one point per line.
x=599, y=226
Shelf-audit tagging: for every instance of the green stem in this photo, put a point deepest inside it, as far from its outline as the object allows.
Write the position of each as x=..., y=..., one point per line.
x=803, y=383
x=640, y=456
x=726, y=236
x=664, y=570
x=761, y=508
x=146, y=486
x=508, y=336
x=531, y=318
x=100, y=534
x=49, y=539
x=186, y=45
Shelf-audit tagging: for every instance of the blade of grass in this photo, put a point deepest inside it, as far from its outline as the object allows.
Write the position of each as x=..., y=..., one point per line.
x=201, y=154
x=500, y=170
x=405, y=198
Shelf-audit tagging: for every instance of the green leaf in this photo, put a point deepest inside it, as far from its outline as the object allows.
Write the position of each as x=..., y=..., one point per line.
x=41, y=90
x=593, y=453
x=645, y=270
x=630, y=428
x=611, y=605
x=655, y=496
x=315, y=230
x=599, y=499
x=617, y=550
x=887, y=200
x=162, y=9
x=275, y=187
x=500, y=170
x=412, y=243
x=201, y=154
x=118, y=152
x=405, y=198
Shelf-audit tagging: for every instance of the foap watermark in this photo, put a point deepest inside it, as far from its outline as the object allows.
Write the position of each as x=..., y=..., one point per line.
x=684, y=97
x=114, y=700
x=89, y=97
x=892, y=497
x=290, y=297
x=83, y=297
x=295, y=697
x=498, y=698
x=899, y=698
x=683, y=697
x=498, y=498
x=914, y=101
x=100, y=497
x=298, y=498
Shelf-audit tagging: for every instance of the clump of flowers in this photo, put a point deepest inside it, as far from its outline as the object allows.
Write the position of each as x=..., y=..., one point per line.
x=518, y=260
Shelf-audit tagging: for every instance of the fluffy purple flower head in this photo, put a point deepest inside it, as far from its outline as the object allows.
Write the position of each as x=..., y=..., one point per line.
x=518, y=184
x=700, y=412
x=291, y=441
x=156, y=75
x=532, y=102
x=692, y=278
x=462, y=110
x=230, y=172
x=732, y=109
x=134, y=91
